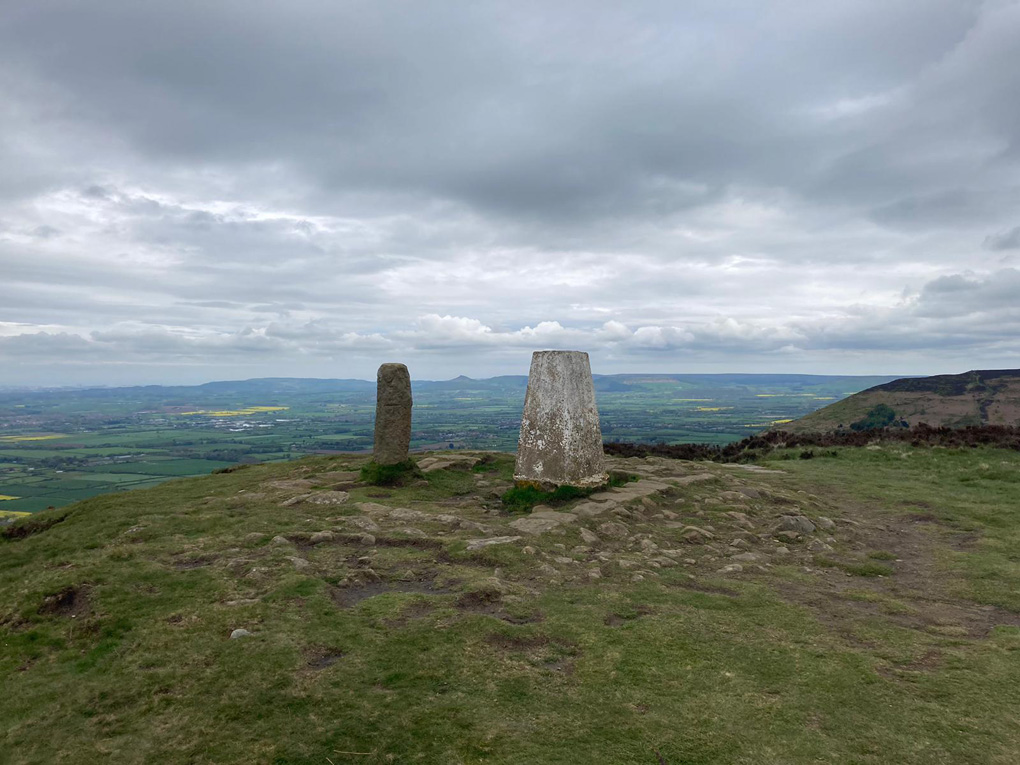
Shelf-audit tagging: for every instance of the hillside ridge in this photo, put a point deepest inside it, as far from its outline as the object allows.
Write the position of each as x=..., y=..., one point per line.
x=974, y=398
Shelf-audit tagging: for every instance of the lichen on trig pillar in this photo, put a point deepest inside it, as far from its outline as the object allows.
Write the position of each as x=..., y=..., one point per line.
x=392, y=415
x=561, y=441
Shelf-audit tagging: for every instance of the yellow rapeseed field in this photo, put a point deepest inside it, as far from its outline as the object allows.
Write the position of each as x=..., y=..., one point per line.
x=238, y=412
x=32, y=438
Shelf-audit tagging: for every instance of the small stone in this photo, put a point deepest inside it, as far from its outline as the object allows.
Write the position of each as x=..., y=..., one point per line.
x=478, y=544
x=796, y=523
x=740, y=519
x=278, y=540
x=817, y=545
x=542, y=521
x=367, y=539
x=825, y=523
x=748, y=557
x=694, y=535
x=240, y=633
x=613, y=530
x=321, y=536
x=589, y=537
x=365, y=524
x=404, y=514
x=740, y=544
x=413, y=532
x=372, y=507
x=788, y=536
x=733, y=496
x=253, y=538
x=637, y=578
x=594, y=574
x=690, y=562
x=238, y=566
x=733, y=568
x=781, y=550
x=648, y=545
x=300, y=564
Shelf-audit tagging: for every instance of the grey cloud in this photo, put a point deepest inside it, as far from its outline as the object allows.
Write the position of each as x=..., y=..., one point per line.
x=1006, y=240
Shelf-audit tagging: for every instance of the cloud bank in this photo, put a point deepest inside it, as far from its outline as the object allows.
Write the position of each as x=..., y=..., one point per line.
x=195, y=191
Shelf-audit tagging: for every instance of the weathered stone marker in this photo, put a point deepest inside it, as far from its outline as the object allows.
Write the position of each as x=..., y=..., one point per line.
x=561, y=441
x=392, y=414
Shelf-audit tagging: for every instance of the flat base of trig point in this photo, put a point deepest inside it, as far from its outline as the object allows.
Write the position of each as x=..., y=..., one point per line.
x=593, y=482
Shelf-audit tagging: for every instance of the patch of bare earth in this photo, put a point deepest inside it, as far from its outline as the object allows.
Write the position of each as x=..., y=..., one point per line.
x=916, y=596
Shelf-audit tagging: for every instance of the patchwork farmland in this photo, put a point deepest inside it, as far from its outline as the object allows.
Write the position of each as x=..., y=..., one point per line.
x=58, y=447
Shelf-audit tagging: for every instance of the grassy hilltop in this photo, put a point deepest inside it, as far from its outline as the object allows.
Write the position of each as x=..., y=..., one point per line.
x=859, y=607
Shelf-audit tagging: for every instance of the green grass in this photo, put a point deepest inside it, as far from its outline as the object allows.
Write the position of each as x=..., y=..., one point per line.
x=951, y=492
x=522, y=498
x=882, y=555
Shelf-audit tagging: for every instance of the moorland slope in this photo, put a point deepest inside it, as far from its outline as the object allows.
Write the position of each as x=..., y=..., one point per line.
x=978, y=397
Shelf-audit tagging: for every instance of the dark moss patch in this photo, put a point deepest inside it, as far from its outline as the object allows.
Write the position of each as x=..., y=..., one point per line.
x=317, y=658
x=232, y=468
x=34, y=525
x=400, y=474
x=69, y=602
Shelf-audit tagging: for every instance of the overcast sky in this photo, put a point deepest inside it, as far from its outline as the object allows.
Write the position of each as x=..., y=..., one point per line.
x=198, y=190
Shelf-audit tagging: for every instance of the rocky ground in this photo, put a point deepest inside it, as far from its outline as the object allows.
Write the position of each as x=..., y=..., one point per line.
x=704, y=519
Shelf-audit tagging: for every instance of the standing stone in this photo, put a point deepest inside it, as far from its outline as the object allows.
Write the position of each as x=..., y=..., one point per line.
x=561, y=441
x=392, y=414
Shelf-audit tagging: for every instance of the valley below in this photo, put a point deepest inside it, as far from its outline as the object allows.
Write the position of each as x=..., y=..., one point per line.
x=57, y=447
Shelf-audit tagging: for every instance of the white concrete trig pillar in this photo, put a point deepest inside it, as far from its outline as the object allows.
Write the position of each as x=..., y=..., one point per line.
x=561, y=440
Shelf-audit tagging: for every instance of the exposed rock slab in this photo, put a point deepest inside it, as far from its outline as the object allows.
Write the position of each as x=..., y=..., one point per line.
x=542, y=521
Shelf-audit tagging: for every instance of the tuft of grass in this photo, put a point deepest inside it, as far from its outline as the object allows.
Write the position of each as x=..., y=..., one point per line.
x=390, y=475
x=867, y=569
x=524, y=497
x=882, y=555
x=855, y=569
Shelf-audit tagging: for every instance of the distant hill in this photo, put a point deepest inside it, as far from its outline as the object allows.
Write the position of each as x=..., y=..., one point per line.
x=978, y=397
x=269, y=386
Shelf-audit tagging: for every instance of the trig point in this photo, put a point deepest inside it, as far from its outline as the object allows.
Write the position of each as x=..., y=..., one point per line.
x=392, y=414
x=561, y=441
